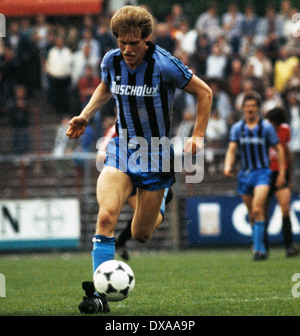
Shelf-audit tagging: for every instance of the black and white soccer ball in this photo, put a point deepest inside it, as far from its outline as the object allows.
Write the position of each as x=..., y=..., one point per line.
x=114, y=280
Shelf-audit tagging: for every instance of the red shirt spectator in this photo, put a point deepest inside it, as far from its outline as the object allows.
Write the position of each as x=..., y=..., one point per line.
x=87, y=84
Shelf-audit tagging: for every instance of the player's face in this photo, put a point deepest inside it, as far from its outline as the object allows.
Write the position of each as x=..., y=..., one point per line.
x=251, y=109
x=133, y=49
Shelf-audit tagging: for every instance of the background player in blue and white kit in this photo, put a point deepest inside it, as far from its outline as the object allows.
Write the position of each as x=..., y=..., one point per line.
x=253, y=137
x=142, y=78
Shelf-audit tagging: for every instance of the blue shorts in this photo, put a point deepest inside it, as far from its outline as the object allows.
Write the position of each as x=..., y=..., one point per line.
x=137, y=165
x=247, y=181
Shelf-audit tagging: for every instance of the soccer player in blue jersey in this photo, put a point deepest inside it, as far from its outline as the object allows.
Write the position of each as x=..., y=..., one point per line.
x=142, y=78
x=253, y=136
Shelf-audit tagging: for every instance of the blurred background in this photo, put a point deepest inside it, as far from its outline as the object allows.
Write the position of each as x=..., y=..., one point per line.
x=50, y=54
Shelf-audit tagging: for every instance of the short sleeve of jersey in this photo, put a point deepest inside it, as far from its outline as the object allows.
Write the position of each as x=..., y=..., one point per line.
x=175, y=73
x=105, y=76
x=234, y=132
x=271, y=134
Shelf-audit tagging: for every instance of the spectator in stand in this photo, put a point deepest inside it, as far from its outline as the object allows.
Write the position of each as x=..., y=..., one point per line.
x=202, y=50
x=163, y=37
x=225, y=47
x=208, y=23
x=216, y=63
x=293, y=42
x=177, y=15
x=183, y=112
x=104, y=36
x=86, y=145
x=283, y=68
x=249, y=21
x=44, y=51
x=72, y=39
x=13, y=36
x=248, y=74
x=262, y=66
x=294, y=82
x=293, y=112
x=88, y=23
x=221, y=101
x=247, y=87
x=215, y=135
x=272, y=100
x=26, y=54
x=41, y=29
x=247, y=47
x=59, y=67
x=61, y=142
x=26, y=28
x=185, y=127
x=30, y=65
x=232, y=21
x=10, y=66
x=269, y=32
x=19, y=120
x=49, y=44
x=185, y=38
x=216, y=130
x=235, y=79
x=87, y=85
x=248, y=27
x=89, y=39
x=285, y=10
x=81, y=59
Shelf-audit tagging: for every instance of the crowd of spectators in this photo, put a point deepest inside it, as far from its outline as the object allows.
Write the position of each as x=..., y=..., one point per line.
x=234, y=52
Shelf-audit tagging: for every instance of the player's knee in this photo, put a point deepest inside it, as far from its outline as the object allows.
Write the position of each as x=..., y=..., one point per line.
x=285, y=211
x=257, y=213
x=105, y=220
x=141, y=236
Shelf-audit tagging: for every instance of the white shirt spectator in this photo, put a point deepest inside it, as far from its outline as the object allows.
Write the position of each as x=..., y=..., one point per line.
x=216, y=128
x=81, y=59
x=208, y=23
x=216, y=63
x=59, y=62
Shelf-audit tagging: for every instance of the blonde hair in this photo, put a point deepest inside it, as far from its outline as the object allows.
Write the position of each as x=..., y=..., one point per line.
x=132, y=19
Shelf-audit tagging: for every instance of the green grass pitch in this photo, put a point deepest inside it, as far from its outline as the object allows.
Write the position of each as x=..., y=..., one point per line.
x=222, y=282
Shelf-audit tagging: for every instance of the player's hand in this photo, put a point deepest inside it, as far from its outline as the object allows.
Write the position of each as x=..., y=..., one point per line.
x=228, y=172
x=77, y=127
x=193, y=145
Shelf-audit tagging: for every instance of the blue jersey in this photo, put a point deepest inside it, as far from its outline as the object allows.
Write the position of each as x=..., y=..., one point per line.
x=144, y=95
x=254, y=143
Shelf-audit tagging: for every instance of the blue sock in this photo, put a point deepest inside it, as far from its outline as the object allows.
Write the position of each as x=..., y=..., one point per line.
x=104, y=250
x=163, y=204
x=258, y=236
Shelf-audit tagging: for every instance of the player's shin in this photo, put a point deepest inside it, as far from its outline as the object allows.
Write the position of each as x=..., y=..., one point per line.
x=258, y=236
x=103, y=250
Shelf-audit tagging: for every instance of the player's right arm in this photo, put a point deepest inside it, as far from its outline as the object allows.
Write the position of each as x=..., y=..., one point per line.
x=100, y=97
x=230, y=159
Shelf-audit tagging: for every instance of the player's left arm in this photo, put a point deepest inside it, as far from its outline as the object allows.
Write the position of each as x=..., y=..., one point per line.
x=203, y=94
x=281, y=165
